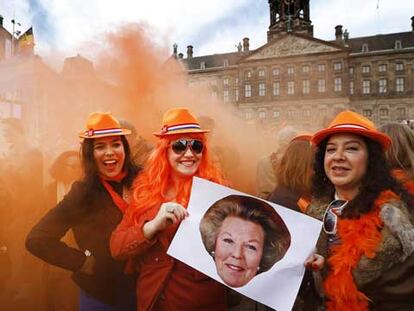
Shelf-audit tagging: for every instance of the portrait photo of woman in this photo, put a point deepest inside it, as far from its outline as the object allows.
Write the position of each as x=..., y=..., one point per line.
x=245, y=236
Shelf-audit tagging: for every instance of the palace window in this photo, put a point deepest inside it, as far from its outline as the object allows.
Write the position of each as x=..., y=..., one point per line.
x=261, y=73
x=338, y=66
x=306, y=69
x=367, y=113
x=226, y=63
x=338, y=84
x=247, y=90
x=226, y=96
x=276, y=88
x=276, y=71
x=321, y=67
x=366, y=69
x=291, y=70
x=365, y=48
x=248, y=74
x=351, y=71
x=262, y=89
x=366, y=86
x=226, y=82
x=399, y=85
x=351, y=87
x=382, y=68
x=202, y=65
x=402, y=112
x=399, y=67
x=305, y=87
x=382, y=86
x=321, y=86
x=398, y=44
x=276, y=114
x=262, y=114
x=383, y=112
x=291, y=87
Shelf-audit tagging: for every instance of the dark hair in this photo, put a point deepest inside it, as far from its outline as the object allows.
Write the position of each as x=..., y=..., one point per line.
x=57, y=167
x=277, y=236
x=376, y=179
x=91, y=174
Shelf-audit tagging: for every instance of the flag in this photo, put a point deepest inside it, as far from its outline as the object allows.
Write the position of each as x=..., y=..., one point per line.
x=26, y=39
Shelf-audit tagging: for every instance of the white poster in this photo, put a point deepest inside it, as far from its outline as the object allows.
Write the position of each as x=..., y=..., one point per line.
x=253, y=246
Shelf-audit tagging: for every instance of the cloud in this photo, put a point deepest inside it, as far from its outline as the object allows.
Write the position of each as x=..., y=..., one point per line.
x=213, y=26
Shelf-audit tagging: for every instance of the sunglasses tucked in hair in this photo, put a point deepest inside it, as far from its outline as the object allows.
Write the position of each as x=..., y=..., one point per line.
x=330, y=219
x=180, y=146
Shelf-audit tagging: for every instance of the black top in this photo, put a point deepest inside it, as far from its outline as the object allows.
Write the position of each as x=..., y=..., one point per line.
x=92, y=218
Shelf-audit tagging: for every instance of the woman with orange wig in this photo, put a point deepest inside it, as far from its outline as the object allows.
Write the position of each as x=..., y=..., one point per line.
x=161, y=196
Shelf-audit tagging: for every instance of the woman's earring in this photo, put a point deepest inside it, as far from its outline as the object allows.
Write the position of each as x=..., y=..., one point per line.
x=258, y=268
x=212, y=254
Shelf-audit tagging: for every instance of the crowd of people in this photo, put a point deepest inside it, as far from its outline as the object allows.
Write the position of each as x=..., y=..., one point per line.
x=113, y=208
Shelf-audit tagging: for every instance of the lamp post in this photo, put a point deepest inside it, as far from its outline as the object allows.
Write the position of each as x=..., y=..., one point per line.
x=15, y=32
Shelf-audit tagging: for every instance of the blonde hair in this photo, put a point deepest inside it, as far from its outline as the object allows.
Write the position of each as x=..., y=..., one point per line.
x=401, y=153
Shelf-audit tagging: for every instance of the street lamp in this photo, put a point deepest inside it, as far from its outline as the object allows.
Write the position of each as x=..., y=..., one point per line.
x=15, y=32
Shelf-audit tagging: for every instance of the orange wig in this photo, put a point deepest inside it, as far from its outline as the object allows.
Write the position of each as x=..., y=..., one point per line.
x=154, y=181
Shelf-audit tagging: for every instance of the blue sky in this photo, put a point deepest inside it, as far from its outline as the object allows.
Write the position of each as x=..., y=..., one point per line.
x=214, y=26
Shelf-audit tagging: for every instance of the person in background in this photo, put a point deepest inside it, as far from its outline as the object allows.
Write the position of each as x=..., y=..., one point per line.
x=60, y=293
x=161, y=195
x=140, y=147
x=294, y=174
x=265, y=174
x=92, y=209
x=5, y=240
x=367, y=229
x=400, y=155
x=22, y=174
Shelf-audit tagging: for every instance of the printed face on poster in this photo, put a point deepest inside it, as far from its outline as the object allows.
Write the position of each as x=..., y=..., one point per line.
x=253, y=246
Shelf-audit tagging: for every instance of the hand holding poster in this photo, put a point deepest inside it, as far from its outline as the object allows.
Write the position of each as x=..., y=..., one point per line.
x=256, y=247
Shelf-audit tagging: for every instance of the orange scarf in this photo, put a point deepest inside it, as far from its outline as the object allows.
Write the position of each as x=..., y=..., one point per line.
x=358, y=237
x=116, y=198
x=403, y=178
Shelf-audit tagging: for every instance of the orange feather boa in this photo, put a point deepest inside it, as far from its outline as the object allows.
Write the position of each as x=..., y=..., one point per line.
x=358, y=237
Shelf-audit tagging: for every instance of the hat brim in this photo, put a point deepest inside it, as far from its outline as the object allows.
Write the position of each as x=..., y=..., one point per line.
x=379, y=137
x=183, y=131
x=121, y=133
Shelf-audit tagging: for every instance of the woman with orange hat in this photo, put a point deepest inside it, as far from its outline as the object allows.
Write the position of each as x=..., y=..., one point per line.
x=161, y=196
x=366, y=227
x=92, y=209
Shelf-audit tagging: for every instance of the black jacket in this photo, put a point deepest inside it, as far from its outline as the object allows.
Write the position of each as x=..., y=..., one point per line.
x=92, y=217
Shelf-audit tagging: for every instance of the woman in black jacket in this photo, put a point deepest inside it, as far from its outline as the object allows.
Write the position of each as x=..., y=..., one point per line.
x=92, y=209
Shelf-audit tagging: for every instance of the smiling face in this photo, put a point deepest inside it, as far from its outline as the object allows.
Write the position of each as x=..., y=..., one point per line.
x=184, y=164
x=345, y=163
x=109, y=155
x=238, y=252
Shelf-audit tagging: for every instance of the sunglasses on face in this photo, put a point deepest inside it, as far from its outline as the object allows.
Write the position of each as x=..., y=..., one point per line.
x=180, y=146
x=330, y=219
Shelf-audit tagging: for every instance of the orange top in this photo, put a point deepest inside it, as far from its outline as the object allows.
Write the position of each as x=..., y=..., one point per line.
x=162, y=280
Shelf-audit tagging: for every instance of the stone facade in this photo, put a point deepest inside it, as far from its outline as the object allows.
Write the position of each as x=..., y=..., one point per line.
x=298, y=79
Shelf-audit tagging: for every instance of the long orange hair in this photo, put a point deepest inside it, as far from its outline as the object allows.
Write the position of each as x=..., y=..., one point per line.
x=155, y=179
